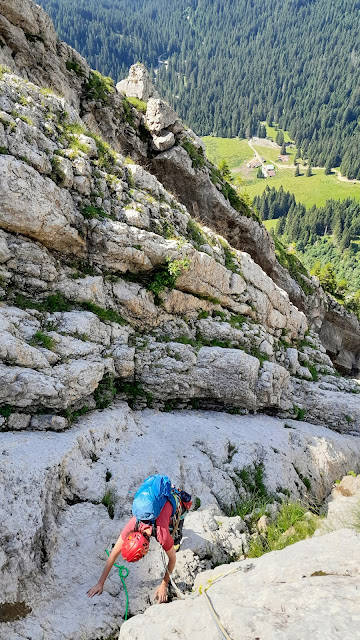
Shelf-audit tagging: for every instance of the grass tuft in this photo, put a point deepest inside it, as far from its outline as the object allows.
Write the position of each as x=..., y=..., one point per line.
x=109, y=502
x=42, y=340
x=290, y=526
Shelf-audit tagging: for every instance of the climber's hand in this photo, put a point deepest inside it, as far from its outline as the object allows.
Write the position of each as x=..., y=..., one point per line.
x=161, y=593
x=97, y=590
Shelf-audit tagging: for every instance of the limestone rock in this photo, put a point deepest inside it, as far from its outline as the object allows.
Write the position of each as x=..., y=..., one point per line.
x=87, y=289
x=339, y=410
x=36, y=207
x=48, y=422
x=124, y=360
x=307, y=575
x=16, y=351
x=159, y=115
x=138, y=84
x=342, y=506
x=63, y=474
x=145, y=180
x=27, y=57
x=18, y=421
x=65, y=172
x=83, y=323
x=177, y=371
x=273, y=379
x=164, y=142
x=262, y=524
x=139, y=219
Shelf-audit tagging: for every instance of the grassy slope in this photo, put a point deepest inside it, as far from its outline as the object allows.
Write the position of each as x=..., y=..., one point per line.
x=272, y=155
x=270, y=224
x=233, y=150
x=309, y=191
x=271, y=132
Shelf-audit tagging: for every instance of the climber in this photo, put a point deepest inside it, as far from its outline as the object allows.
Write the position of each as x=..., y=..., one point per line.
x=158, y=510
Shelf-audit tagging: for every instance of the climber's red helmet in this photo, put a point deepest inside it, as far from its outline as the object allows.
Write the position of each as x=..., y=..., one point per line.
x=135, y=546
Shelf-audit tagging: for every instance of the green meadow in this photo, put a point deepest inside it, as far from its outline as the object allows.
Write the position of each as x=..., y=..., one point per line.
x=272, y=155
x=308, y=190
x=271, y=133
x=233, y=150
x=314, y=190
x=270, y=224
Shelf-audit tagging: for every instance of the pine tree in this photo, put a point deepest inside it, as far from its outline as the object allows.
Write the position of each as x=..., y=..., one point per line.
x=280, y=226
x=259, y=173
x=309, y=171
x=328, y=168
x=316, y=270
x=280, y=138
x=327, y=278
x=225, y=170
x=297, y=171
x=283, y=149
x=342, y=287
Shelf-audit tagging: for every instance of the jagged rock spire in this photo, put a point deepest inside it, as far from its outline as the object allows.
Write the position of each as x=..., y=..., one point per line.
x=138, y=84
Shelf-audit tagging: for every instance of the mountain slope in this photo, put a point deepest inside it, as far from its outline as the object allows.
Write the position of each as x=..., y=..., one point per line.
x=118, y=307
x=233, y=64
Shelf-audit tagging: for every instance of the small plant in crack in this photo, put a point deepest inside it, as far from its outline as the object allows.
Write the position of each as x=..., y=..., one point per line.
x=231, y=451
x=109, y=502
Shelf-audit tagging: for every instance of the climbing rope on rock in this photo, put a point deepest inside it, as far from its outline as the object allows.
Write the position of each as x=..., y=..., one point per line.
x=123, y=573
x=203, y=591
x=179, y=593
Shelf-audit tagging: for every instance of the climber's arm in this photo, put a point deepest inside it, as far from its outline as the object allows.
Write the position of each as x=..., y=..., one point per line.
x=98, y=588
x=161, y=591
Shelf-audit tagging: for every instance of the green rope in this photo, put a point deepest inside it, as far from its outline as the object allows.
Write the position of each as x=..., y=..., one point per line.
x=123, y=573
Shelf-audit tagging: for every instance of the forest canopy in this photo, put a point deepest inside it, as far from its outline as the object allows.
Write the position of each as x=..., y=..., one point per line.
x=326, y=238
x=234, y=63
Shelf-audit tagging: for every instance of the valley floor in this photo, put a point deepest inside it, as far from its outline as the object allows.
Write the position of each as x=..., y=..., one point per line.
x=308, y=190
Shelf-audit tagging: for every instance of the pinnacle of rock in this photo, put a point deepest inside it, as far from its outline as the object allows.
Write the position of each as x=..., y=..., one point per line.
x=138, y=84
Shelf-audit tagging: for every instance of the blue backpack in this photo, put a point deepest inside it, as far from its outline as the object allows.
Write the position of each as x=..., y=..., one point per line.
x=151, y=497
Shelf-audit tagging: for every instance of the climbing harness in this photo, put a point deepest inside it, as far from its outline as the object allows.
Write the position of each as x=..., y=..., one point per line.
x=123, y=573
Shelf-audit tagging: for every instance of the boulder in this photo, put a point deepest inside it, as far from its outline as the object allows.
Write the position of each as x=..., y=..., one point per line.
x=159, y=115
x=137, y=84
x=164, y=142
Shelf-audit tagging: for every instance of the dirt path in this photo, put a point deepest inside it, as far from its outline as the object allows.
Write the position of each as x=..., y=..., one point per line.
x=256, y=153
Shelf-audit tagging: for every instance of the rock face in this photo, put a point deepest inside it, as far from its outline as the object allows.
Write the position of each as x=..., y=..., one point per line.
x=29, y=38
x=47, y=217
x=194, y=311
x=317, y=575
x=112, y=295
x=342, y=508
x=163, y=146
x=52, y=518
